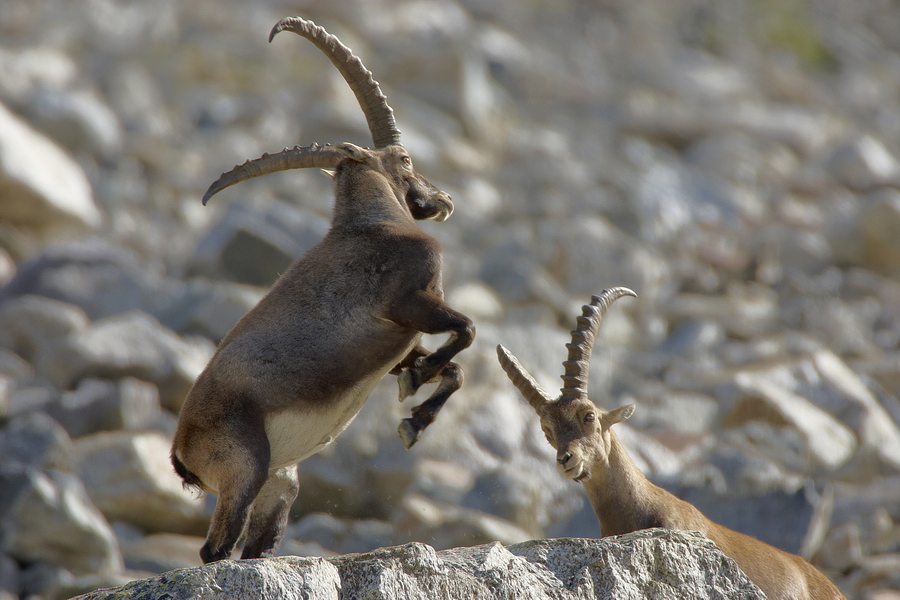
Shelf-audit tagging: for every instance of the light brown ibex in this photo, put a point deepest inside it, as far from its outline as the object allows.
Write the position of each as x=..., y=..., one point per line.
x=588, y=450
x=296, y=369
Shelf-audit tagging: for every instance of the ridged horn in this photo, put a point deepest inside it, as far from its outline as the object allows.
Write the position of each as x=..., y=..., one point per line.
x=379, y=115
x=525, y=383
x=298, y=157
x=577, y=367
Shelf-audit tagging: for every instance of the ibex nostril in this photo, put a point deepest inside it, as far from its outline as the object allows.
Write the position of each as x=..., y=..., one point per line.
x=564, y=459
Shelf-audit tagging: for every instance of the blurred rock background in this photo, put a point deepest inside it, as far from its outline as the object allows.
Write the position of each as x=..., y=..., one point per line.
x=735, y=162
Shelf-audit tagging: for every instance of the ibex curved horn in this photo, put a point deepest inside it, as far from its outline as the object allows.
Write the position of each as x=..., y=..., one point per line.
x=578, y=365
x=525, y=383
x=379, y=115
x=298, y=157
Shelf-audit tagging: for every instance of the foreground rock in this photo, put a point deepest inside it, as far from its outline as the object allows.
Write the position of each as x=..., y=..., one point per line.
x=655, y=563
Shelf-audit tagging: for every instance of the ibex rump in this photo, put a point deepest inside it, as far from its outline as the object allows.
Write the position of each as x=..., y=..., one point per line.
x=588, y=450
x=295, y=370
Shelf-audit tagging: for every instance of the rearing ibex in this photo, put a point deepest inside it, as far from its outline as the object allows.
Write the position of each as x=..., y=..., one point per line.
x=588, y=450
x=295, y=370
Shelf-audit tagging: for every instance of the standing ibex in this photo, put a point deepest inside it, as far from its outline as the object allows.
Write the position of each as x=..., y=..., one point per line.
x=297, y=368
x=587, y=450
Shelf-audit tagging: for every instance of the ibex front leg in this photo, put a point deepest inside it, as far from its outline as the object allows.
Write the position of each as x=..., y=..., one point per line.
x=426, y=312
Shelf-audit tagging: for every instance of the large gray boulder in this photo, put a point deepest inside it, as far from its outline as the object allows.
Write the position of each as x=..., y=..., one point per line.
x=130, y=344
x=658, y=564
x=129, y=478
x=48, y=517
x=42, y=186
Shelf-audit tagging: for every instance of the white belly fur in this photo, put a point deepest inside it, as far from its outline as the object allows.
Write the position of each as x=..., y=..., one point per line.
x=298, y=434
x=295, y=435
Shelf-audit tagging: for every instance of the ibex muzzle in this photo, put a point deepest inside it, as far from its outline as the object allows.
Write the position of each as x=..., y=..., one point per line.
x=297, y=368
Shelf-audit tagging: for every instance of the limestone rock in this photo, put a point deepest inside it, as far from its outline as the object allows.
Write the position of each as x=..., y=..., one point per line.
x=864, y=163
x=35, y=439
x=673, y=565
x=78, y=119
x=100, y=405
x=130, y=344
x=879, y=225
x=830, y=444
x=43, y=188
x=129, y=478
x=102, y=277
x=48, y=517
x=208, y=307
x=158, y=552
x=255, y=248
x=29, y=322
x=341, y=535
x=287, y=578
x=447, y=525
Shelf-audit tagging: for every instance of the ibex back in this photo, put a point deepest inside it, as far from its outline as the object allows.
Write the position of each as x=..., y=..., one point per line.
x=296, y=369
x=589, y=451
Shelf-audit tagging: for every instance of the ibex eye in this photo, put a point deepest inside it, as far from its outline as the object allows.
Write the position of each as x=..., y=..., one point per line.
x=589, y=418
x=407, y=161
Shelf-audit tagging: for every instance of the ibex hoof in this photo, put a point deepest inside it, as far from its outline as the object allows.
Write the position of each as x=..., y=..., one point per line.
x=406, y=384
x=409, y=433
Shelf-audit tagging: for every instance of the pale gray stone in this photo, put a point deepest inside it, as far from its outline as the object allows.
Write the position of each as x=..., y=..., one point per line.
x=829, y=443
x=43, y=188
x=9, y=578
x=130, y=344
x=13, y=366
x=30, y=322
x=448, y=525
x=100, y=405
x=879, y=224
x=254, y=246
x=342, y=535
x=34, y=438
x=129, y=477
x=78, y=119
x=48, y=517
x=208, y=307
x=864, y=163
x=677, y=565
x=288, y=578
x=160, y=552
x=101, y=277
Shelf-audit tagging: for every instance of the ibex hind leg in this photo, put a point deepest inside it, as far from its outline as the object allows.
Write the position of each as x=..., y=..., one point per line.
x=410, y=430
x=230, y=515
x=239, y=464
x=270, y=512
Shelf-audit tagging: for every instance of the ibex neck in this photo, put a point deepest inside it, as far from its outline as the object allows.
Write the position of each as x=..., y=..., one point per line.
x=367, y=199
x=622, y=497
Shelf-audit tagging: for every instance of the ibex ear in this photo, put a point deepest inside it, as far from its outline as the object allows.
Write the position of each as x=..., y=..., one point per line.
x=352, y=151
x=617, y=415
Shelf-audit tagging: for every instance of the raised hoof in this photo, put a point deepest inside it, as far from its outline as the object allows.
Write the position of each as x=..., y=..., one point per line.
x=409, y=433
x=406, y=384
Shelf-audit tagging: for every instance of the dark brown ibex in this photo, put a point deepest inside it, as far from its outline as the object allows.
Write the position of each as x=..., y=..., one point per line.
x=296, y=369
x=588, y=450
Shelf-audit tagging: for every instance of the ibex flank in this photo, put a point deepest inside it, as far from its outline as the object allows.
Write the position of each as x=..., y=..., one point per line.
x=588, y=450
x=296, y=369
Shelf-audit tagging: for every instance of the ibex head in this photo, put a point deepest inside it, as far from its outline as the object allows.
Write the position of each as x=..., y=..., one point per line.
x=423, y=200
x=414, y=192
x=576, y=427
